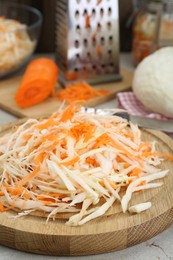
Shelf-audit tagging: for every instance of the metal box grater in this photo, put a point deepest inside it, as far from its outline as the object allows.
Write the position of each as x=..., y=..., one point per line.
x=87, y=40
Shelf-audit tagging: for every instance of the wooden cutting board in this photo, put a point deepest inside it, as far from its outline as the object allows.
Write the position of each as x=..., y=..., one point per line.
x=105, y=234
x=9, y=87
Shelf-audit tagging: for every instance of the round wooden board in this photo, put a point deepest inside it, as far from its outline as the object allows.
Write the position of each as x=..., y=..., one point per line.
x=108, y=233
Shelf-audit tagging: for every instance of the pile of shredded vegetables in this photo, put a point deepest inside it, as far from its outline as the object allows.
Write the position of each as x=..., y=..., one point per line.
x=76, y=162
x=15, y=44
x=80, y=91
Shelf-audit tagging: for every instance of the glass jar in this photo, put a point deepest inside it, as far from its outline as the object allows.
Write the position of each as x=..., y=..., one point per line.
x=153, y=28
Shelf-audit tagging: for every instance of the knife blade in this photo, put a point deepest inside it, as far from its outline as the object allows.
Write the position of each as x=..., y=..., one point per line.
x=162, y=125
x=145, y=122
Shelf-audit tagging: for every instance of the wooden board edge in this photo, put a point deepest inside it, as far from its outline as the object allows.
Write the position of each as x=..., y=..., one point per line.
x=86, y=245
x=11, y=111
x=162, y=136
x=101, y=100
x=8, y=126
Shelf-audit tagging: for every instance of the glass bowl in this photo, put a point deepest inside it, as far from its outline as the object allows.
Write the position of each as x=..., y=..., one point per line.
x=20, y=27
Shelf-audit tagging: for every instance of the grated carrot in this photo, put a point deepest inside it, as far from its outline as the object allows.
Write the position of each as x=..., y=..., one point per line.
x=99, y=2
x=28, y=177
x=87, y=21
x=80, y=91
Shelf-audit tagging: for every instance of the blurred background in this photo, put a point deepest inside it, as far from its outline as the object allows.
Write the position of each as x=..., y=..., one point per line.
x=47, y=38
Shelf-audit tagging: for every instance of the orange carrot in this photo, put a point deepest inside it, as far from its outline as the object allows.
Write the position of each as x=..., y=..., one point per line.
x=28, y=136
x=71, y=75
x=99, y=2
x=54, y=195
x=136, y=172
x=142, y=183
x=28, y=177
x=99, y=51
x=94, y=36
x=39, y=158
x=87, y=22
x=80, y=91
x=167, y=156
x=38, y=82
x=49, y=123
x=70, y=162
x=68, y=113
x=113, y=185
x=83, y=129
x=50, y=137
x=14, y=190
x=92, y=162
x=1, y=207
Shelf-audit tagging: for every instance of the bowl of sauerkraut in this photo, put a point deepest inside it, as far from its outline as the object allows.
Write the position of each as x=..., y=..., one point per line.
x=19, y=33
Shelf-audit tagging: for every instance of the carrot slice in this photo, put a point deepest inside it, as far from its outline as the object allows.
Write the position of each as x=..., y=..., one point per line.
x=38, y=82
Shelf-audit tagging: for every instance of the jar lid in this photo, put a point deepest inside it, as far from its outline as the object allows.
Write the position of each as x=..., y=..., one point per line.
x=139, y=3
x=154, y=5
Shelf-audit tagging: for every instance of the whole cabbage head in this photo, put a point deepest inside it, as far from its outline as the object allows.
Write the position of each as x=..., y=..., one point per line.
x=153, y=81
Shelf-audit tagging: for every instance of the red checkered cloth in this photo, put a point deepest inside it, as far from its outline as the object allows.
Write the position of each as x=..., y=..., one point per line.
x=129, y=102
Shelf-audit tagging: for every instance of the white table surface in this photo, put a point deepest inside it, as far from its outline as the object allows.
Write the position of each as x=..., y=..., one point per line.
x=159, y=247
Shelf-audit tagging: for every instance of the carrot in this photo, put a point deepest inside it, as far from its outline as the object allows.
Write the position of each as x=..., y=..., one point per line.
x=27, y=137
x=14, y=190
x=87, y=22
x=71, y=75
x=92, y=162
x=69, y=112
x=136, y=172
x=113, y=185
x=28, y=177
x=99, y=51
x=142, y=183
x=83, y=129
x=39, y=158
x=2, y=209
x=99, y=2
x=50, y=137
x=54, y=195
x=70, y=162
x=49, y=123
x=167, y=156
x=38, y=82
x=94, y=36
x=82, y=91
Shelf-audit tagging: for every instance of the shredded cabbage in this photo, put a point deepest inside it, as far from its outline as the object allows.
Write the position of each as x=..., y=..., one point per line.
x=76, y=162
x=15, y=44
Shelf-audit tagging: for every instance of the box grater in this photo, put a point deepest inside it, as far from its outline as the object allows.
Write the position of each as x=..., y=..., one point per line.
x=87, y=40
